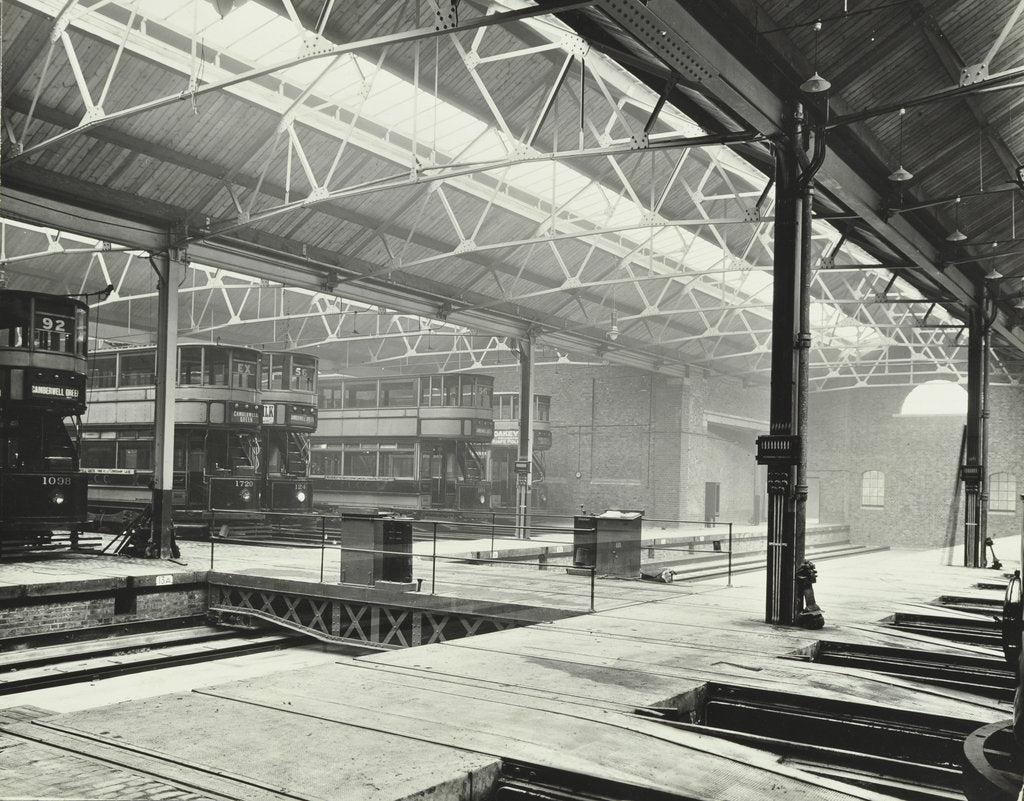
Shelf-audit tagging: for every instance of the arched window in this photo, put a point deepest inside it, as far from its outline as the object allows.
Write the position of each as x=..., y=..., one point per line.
x=936, y=397
x=872, y=488
x=1002, y=492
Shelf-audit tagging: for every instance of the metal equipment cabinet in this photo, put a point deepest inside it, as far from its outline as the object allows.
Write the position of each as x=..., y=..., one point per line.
x=376, y=550
x=609, y=541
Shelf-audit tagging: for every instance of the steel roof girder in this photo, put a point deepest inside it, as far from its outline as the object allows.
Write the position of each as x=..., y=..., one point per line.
x=683, y=43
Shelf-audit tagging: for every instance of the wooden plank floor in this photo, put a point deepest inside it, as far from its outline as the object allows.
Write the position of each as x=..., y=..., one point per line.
x=391, y=725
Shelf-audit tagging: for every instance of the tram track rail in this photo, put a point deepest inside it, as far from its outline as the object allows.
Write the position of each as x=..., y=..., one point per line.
x=24, y=668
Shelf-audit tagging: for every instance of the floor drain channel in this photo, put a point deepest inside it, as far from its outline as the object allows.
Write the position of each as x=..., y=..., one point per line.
x=986, y=676
x=909, y=755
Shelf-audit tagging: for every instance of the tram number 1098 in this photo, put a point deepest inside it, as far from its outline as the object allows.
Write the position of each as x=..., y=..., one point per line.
x=56, y=481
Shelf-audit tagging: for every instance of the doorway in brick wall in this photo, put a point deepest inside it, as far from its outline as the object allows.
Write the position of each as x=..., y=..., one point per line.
x=813, y=500
x=712, y=502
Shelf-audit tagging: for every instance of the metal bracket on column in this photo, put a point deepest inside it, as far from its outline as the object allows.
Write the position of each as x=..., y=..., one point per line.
x=777, y=450
x=971, y=473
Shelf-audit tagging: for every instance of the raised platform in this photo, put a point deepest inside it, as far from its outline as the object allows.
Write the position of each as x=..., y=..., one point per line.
x=438, y=719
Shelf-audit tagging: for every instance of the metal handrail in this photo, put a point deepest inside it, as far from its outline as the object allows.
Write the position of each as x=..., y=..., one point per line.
x=537, y=538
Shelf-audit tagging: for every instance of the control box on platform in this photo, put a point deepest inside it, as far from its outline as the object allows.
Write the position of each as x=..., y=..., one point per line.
x=609, y=541
x=377, y=551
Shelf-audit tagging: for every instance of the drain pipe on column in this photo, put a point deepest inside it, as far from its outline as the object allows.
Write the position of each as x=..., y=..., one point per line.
x=809, y=614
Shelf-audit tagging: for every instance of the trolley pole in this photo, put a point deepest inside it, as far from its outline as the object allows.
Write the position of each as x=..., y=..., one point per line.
x=170, y=270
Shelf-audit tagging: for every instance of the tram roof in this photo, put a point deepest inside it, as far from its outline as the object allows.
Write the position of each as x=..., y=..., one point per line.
x=391, y=187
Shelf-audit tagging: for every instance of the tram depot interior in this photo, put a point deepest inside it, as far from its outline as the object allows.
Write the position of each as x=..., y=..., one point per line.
x=753, y=262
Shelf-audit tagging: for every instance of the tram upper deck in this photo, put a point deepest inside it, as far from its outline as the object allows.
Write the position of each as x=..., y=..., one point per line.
x=242, y=423
x=409, y=442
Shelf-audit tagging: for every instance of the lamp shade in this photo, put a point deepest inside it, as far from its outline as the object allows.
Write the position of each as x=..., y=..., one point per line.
x=815, y=84
x=900, y=174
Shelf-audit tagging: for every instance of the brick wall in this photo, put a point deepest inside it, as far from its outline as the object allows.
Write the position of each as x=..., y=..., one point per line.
x=858, y=430
x=69, y=606
x=641, y=441
x=1006, y=453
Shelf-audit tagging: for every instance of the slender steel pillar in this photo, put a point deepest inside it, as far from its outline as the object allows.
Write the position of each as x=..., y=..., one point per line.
x=170, y=271
x=983, y=489
x=524, y=462
x=973, y=470
x=784, y=449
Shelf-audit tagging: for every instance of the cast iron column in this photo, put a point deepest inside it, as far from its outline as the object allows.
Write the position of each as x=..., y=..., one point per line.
x=784, y=448
x=524, y=460
x=973, y=470
x=170, y=272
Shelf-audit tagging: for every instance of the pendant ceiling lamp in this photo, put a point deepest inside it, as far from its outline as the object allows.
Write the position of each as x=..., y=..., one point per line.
x=815, y=84
x=993, y=274
x=899, y=175
x=956, y=235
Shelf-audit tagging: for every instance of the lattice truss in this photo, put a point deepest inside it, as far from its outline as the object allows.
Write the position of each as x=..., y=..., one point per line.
x=506, y=168
x=219, y=305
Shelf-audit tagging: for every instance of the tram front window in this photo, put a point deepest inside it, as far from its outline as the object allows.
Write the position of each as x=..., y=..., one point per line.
x=244, y=453
x=53, y=331
x=272, y=371
x=190, y=366
x=304, y=373
x=231, y=452
x=243, y=371
x=298, y=453
x=287, y=453
x=14, y=323
x=216, y=368
x=34, y=443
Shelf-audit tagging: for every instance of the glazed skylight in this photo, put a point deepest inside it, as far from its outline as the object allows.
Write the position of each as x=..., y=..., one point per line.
x=262, y=37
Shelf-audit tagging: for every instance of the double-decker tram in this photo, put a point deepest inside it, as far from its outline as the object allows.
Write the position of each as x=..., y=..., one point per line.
x=410, y=443
x=42, y=393
x=217, y=438
x=289, y=418
x=505, y=448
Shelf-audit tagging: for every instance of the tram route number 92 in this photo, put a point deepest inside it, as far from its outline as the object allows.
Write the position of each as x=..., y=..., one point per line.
x=56, y=481
x=52, y=323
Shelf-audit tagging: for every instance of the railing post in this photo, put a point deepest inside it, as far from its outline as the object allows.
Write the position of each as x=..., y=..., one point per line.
x=341, y=546
x=729, y=574
x=492, y=531
x=323, y=546
x=433, y=561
